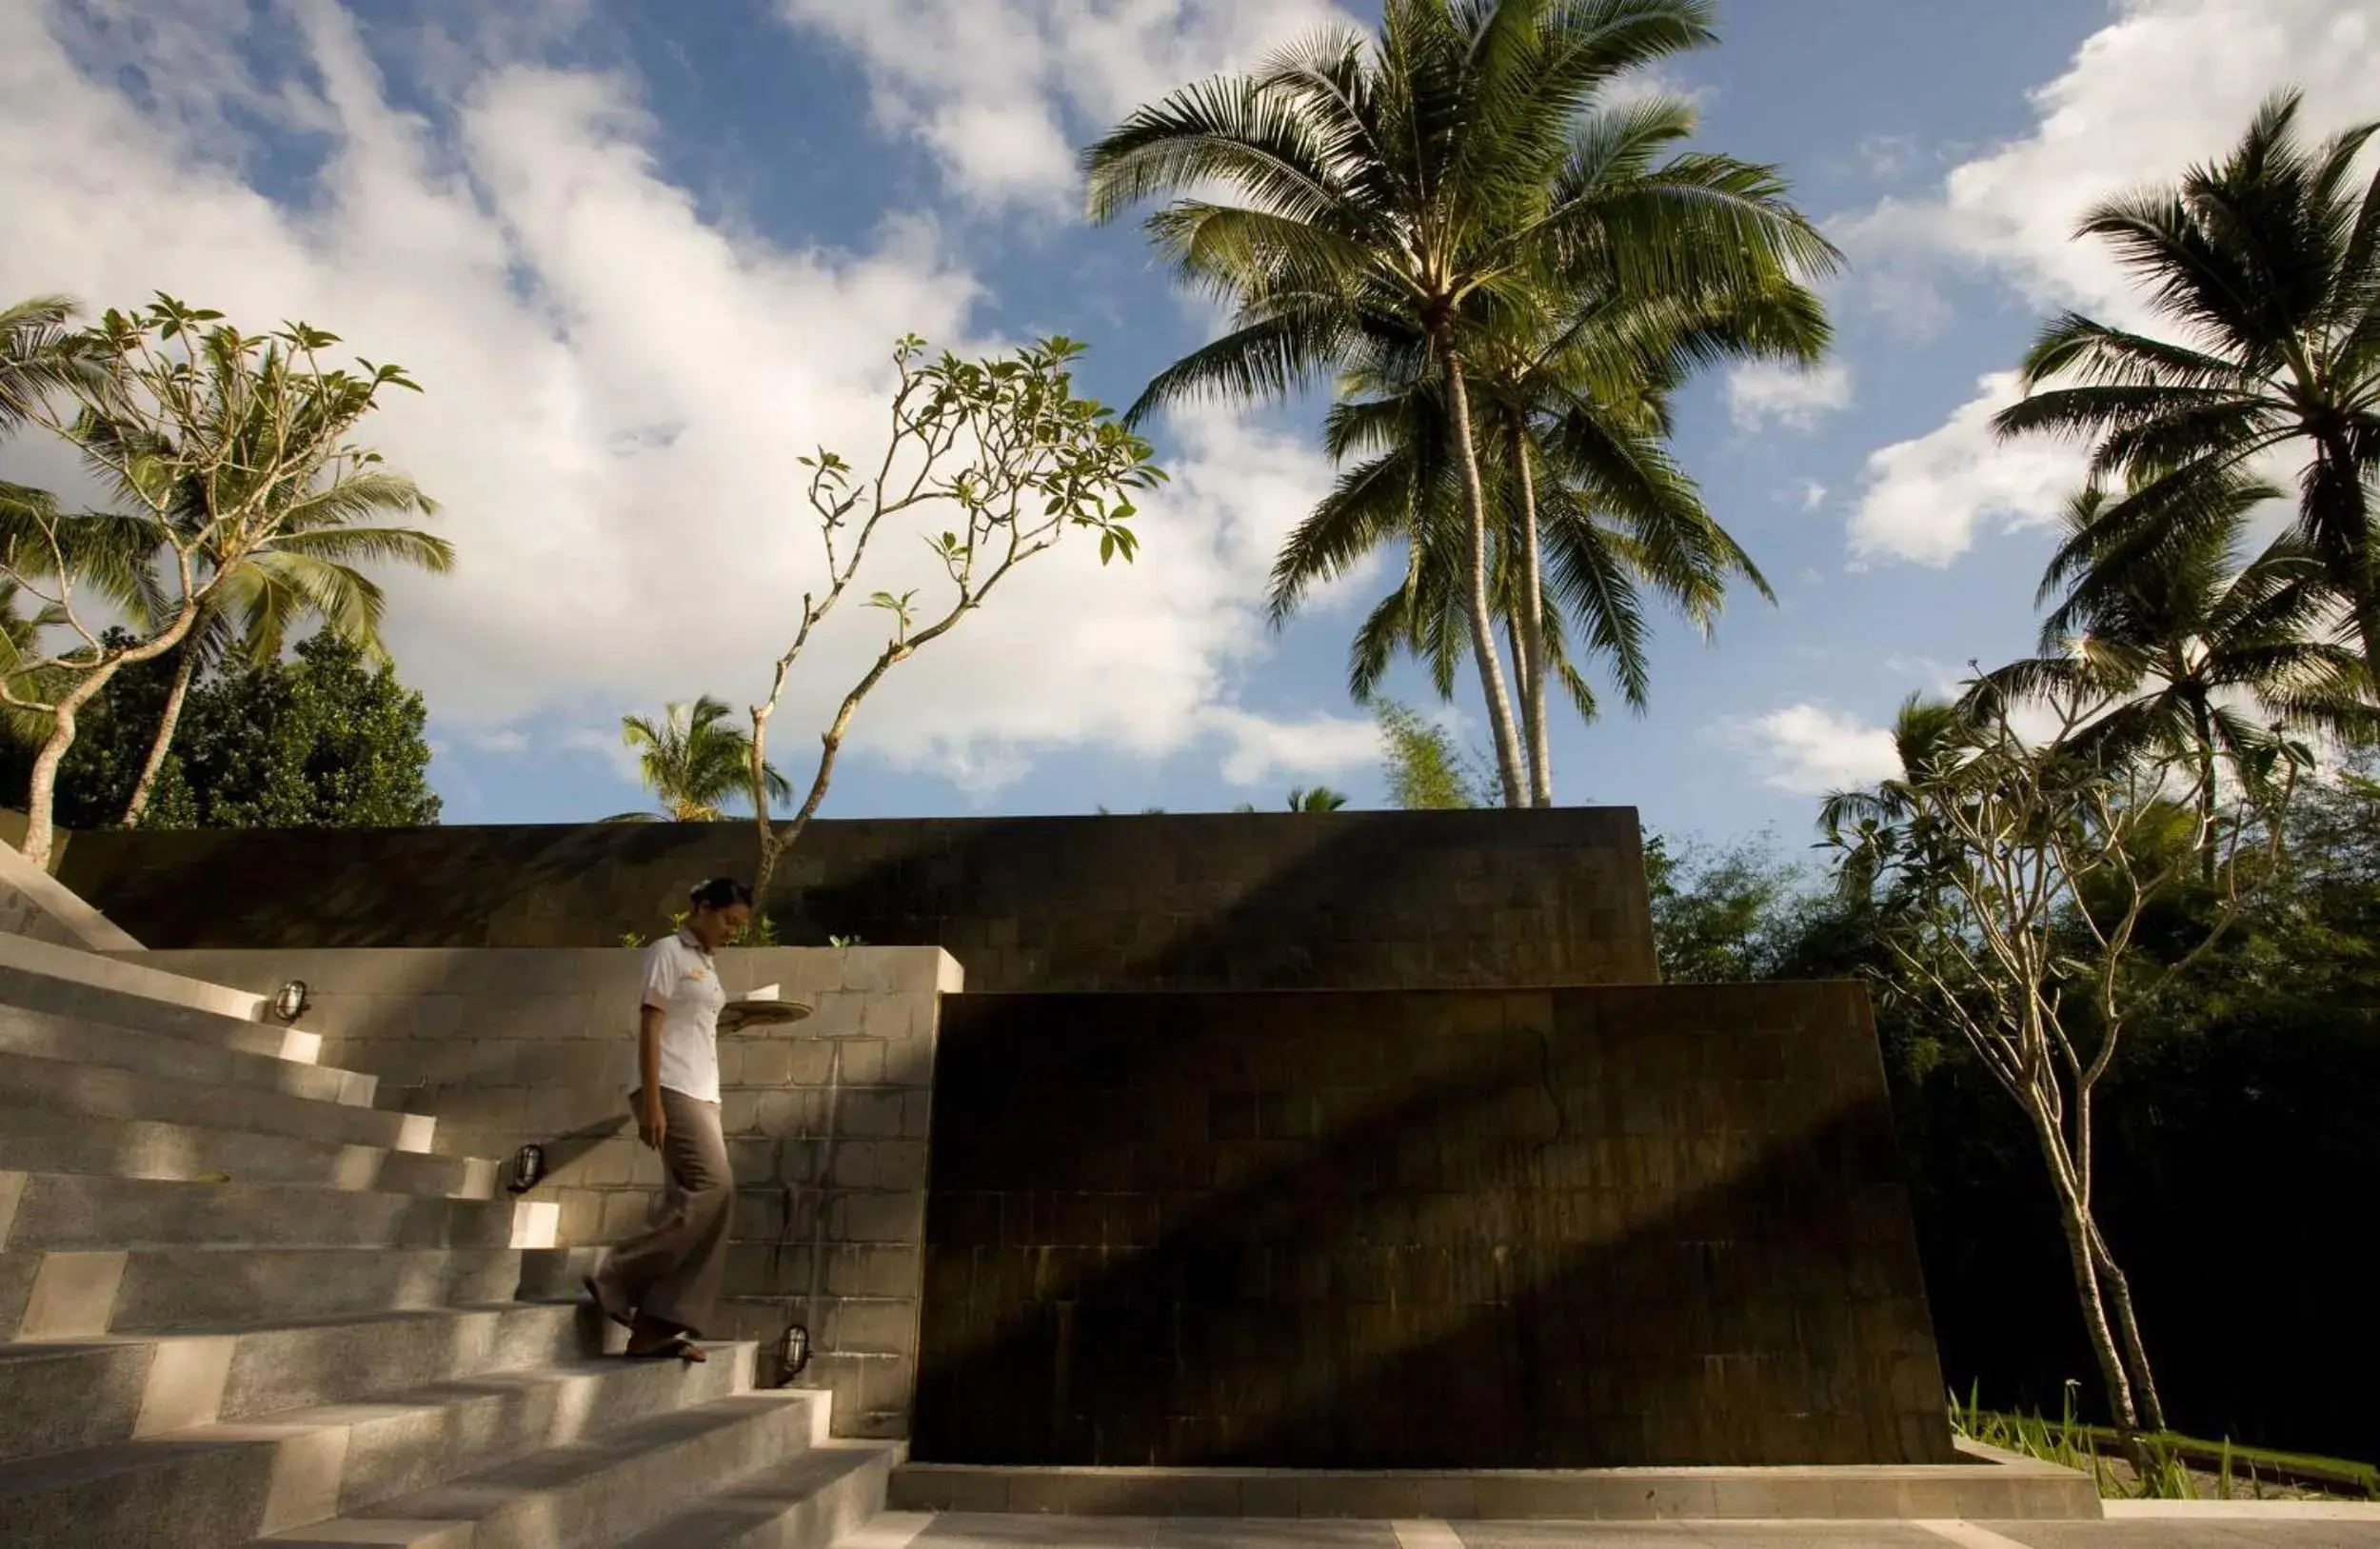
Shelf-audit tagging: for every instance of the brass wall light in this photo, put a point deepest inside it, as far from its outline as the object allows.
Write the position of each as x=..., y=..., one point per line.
x=528, y=1165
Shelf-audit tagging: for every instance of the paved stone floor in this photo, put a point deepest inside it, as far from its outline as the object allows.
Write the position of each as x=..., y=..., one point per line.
x=2348, y=1529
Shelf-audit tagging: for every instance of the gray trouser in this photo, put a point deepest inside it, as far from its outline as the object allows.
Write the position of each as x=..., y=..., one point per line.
x=672, y=1271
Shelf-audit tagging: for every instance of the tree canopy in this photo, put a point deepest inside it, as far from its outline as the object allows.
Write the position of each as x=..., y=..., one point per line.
x=324, y=740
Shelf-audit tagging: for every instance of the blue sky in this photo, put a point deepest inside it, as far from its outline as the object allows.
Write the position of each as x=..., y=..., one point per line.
x=643, y=255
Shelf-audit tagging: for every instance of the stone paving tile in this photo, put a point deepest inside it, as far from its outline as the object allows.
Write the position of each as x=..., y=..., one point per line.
x=956, y=1531
x=1226, y=1533
x=1697, y=1536
x=2183, y=1533
x=965, y=1532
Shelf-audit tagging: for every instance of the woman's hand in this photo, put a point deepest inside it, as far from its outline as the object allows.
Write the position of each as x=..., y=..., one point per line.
x=652, y=1125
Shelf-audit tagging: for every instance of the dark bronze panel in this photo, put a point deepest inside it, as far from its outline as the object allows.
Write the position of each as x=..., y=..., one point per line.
x=1306, y=901
x=1578, y=1228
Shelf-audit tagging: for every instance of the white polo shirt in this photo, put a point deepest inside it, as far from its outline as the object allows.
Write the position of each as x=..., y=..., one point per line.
x=682, y=983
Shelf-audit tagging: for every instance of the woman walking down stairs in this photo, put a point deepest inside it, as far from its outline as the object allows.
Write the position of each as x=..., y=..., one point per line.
x=241, y=1305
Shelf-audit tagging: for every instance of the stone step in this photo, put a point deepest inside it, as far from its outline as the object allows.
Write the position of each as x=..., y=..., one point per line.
x=76, y=1212
x=43, y=1139
x=140, y=1013
x=56, y=1397
x=48, y=1035
x=808, y=1502
x=63, y=1084
x=227, y=1484
x=587, y=1494
x=109, y=972
x=169, y=1290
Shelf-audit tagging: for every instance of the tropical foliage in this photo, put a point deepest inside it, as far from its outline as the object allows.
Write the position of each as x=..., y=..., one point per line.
x=1437, y=211
x=1424, y=769
x=218, y=446
x=2193, y=654
x=2267, y=266
x=327, y=738
x=695, y=761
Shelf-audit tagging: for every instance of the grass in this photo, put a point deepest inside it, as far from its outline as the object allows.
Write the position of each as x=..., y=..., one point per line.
x=2175, y=1463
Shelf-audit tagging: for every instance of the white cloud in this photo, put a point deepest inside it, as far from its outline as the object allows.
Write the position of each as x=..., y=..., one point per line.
x=1765, y=393
x=1003, y=91
x=1925, y=497
x=2169, y=83
x=616, y=393
x=1813, y=750
x=1265, y=750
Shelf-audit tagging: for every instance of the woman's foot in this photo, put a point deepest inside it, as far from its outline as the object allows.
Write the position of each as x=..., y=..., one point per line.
x=653, y=1340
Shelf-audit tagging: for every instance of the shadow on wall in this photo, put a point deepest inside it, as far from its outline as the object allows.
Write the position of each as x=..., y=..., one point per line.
x=1199, y=902
x=1405, y=1231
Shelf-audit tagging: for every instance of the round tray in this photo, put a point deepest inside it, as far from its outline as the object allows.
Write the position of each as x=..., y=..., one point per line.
x=742, y=1014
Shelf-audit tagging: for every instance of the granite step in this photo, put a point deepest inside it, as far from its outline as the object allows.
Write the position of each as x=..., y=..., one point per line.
x=78, y=1212
x=810, y=1502
x=35, y=991
x=591, y=1494
x=44, y=1139
x=117, y=975
x=226, y=1483
x=62, y=1083
x=172, y=1289
x=59, y=1396
x=50, y=1035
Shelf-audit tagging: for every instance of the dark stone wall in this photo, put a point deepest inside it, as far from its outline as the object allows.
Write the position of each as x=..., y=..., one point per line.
x=1370, y=899
x=1584, y=1228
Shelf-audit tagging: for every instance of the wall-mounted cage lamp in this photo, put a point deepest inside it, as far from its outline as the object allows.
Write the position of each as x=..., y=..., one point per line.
x=793, y=1350
x=290, y=1001
x=528, y=1165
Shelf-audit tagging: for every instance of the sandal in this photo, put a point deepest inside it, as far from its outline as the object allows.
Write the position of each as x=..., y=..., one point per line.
x=680, y=1346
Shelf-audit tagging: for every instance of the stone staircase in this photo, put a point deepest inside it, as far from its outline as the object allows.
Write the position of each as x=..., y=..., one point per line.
x=242, y=1304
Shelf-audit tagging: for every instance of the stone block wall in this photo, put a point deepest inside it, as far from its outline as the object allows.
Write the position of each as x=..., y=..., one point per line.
x=1594, y=1227
x=826, y=1119
x=1304, y=901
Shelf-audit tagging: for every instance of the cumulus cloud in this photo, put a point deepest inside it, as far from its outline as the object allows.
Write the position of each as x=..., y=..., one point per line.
x=2168, y=83
x=1810, y=749
x=1765, y=393
x=1002, y=91
x=1924, y=499
x=617, y=390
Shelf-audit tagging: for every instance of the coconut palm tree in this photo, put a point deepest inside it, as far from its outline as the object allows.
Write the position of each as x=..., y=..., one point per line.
x=40, y=354
x=694, y=759
x=2268, y=266
x=1575, y=420
x=20, y=645
x=1321, y=799
x=1392, y=194
x=2181, y=640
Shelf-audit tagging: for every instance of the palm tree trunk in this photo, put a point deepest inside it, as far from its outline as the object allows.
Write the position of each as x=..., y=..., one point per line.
x=1508, y=768
x=2202, y=727
x=1533, y=630
x=185, y=669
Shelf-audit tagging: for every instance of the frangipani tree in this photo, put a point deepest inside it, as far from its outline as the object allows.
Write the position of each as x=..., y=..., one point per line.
x=2021, y=872
x=999, y=458
x=212, y=438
